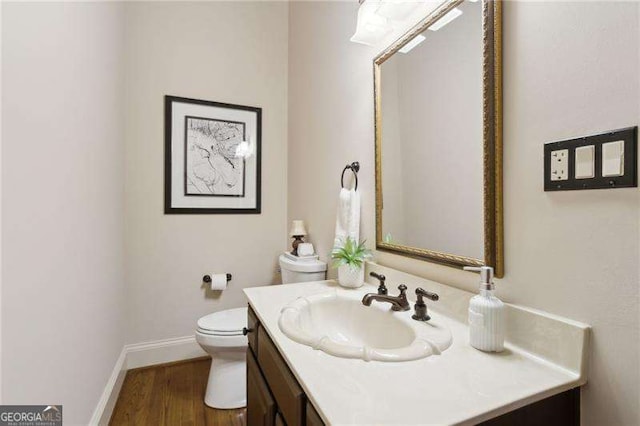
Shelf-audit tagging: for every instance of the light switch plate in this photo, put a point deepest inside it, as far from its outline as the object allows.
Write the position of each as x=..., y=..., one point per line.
x=585, y=162
x=613, y=159
x=604, y=161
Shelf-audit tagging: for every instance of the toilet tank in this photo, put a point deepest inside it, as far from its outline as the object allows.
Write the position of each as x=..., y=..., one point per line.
x=298, y=271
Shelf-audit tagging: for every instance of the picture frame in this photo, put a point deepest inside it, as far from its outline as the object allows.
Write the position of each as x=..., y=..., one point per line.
x=212, y=157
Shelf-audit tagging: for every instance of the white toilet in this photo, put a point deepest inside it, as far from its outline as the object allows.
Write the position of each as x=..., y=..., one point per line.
x=221, y=335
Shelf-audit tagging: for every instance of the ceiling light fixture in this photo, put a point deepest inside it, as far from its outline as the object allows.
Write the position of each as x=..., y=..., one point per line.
x=371, y=27
x=381, y=21
x=396, y=10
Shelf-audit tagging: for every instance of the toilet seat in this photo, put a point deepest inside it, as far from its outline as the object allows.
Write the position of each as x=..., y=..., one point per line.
x=229, y=322
x=218, y=333
x=222, y=343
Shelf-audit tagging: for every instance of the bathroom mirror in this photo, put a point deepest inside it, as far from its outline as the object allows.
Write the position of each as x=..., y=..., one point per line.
x=438, y=123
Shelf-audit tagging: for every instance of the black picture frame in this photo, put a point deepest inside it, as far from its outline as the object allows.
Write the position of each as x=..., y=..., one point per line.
x=169, y=208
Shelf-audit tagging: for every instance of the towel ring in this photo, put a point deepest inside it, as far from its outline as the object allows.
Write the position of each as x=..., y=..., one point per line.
x=355, y=168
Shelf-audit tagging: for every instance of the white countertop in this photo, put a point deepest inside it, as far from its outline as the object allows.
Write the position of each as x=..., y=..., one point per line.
x=460, y=386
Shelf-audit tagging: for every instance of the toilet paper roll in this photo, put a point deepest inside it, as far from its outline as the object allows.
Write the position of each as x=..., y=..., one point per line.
x=219, y=282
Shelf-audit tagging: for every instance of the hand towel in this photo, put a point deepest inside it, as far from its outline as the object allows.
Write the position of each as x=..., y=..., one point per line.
x=348, y=217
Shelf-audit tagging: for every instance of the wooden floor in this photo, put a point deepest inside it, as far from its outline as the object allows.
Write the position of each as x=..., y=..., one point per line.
x=170, y=394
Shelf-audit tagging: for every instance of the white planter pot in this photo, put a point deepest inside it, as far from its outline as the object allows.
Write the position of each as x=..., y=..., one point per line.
x=349, y=276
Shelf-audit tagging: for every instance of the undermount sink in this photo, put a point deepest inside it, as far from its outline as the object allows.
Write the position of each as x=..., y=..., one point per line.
x=337, y=323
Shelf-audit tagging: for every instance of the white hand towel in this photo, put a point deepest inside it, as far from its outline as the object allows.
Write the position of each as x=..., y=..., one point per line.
x=348, y=217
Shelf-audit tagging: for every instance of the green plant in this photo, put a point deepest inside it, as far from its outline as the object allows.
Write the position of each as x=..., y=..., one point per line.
x=351, y=253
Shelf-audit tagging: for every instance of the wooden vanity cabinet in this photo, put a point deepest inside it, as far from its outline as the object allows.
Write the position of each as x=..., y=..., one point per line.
x=288, y=394
x=253, y=325
x=562, y=409
x=261, y=407
x=312, y=417
x=274, y=396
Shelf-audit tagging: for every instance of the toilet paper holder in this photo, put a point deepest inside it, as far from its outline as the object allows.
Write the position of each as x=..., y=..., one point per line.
x=207, y=278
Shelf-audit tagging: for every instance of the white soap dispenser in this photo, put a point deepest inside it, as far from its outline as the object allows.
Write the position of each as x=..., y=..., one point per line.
x=486, y=314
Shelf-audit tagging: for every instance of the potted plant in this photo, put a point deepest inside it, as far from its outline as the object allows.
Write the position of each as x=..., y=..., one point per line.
x=349, y=259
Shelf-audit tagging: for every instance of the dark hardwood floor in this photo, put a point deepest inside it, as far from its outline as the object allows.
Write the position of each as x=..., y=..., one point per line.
x=170, y=394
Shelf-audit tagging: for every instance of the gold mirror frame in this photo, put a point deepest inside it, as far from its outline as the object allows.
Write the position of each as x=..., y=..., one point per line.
x=492, y=140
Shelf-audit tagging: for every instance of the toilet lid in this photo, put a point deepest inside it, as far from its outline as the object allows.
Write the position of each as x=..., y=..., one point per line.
x=302, y=266
x=230, y=320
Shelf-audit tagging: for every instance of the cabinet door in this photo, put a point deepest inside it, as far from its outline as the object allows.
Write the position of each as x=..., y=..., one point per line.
x=313, y=418
x=286, y=390
x=261, y=408
x=562, y=409
x=280, y=420
x=253, y=324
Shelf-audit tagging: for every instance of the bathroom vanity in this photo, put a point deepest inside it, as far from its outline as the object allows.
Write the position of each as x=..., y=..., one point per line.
x=534, y=381
x=274, y=395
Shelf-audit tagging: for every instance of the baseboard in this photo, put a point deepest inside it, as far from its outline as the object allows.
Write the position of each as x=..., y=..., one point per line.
x=107, y=402
x=162, y=351
x=142, y=355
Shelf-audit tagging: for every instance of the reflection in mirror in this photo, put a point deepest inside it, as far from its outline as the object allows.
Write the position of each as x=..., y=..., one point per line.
x=438, y=130
x=432, y=137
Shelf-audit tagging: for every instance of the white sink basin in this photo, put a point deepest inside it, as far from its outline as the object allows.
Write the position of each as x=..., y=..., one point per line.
x=339, y=324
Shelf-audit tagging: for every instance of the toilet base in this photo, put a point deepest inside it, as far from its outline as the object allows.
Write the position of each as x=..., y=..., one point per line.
x=227, y=385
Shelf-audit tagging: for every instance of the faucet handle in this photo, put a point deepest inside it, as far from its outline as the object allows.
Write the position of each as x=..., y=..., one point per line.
x=403, y=289
x=420, y=307
x=420, y=292
x=378, y=276
x=382, y=288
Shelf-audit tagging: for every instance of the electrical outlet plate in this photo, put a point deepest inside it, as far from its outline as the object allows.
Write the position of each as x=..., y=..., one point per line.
x=565, y=164
x=560, y=165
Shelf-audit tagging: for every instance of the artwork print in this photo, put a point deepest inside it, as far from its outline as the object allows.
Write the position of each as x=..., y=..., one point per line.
x=212, y=157
x=212, y=165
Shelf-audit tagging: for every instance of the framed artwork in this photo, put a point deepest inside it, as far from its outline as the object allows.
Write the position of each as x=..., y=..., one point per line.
x=211, y=158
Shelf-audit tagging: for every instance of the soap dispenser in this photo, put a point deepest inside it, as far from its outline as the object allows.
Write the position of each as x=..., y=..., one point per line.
x=486, y=314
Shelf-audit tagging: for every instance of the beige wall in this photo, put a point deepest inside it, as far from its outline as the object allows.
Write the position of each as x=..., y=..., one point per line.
x=330, y=117
x=570, y=69
x=63, y=301
x=234, y=52
x=1, y=399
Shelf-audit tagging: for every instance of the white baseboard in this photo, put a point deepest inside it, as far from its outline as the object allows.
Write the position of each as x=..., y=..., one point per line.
x=142, y=355
x=107, y=402
x=161, y=351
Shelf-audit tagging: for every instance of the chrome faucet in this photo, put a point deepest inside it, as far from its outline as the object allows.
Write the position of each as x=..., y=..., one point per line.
x=398, y=303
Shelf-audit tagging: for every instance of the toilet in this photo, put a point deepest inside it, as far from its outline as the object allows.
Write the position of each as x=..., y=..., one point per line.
x=300, y=271
x=220, y=334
